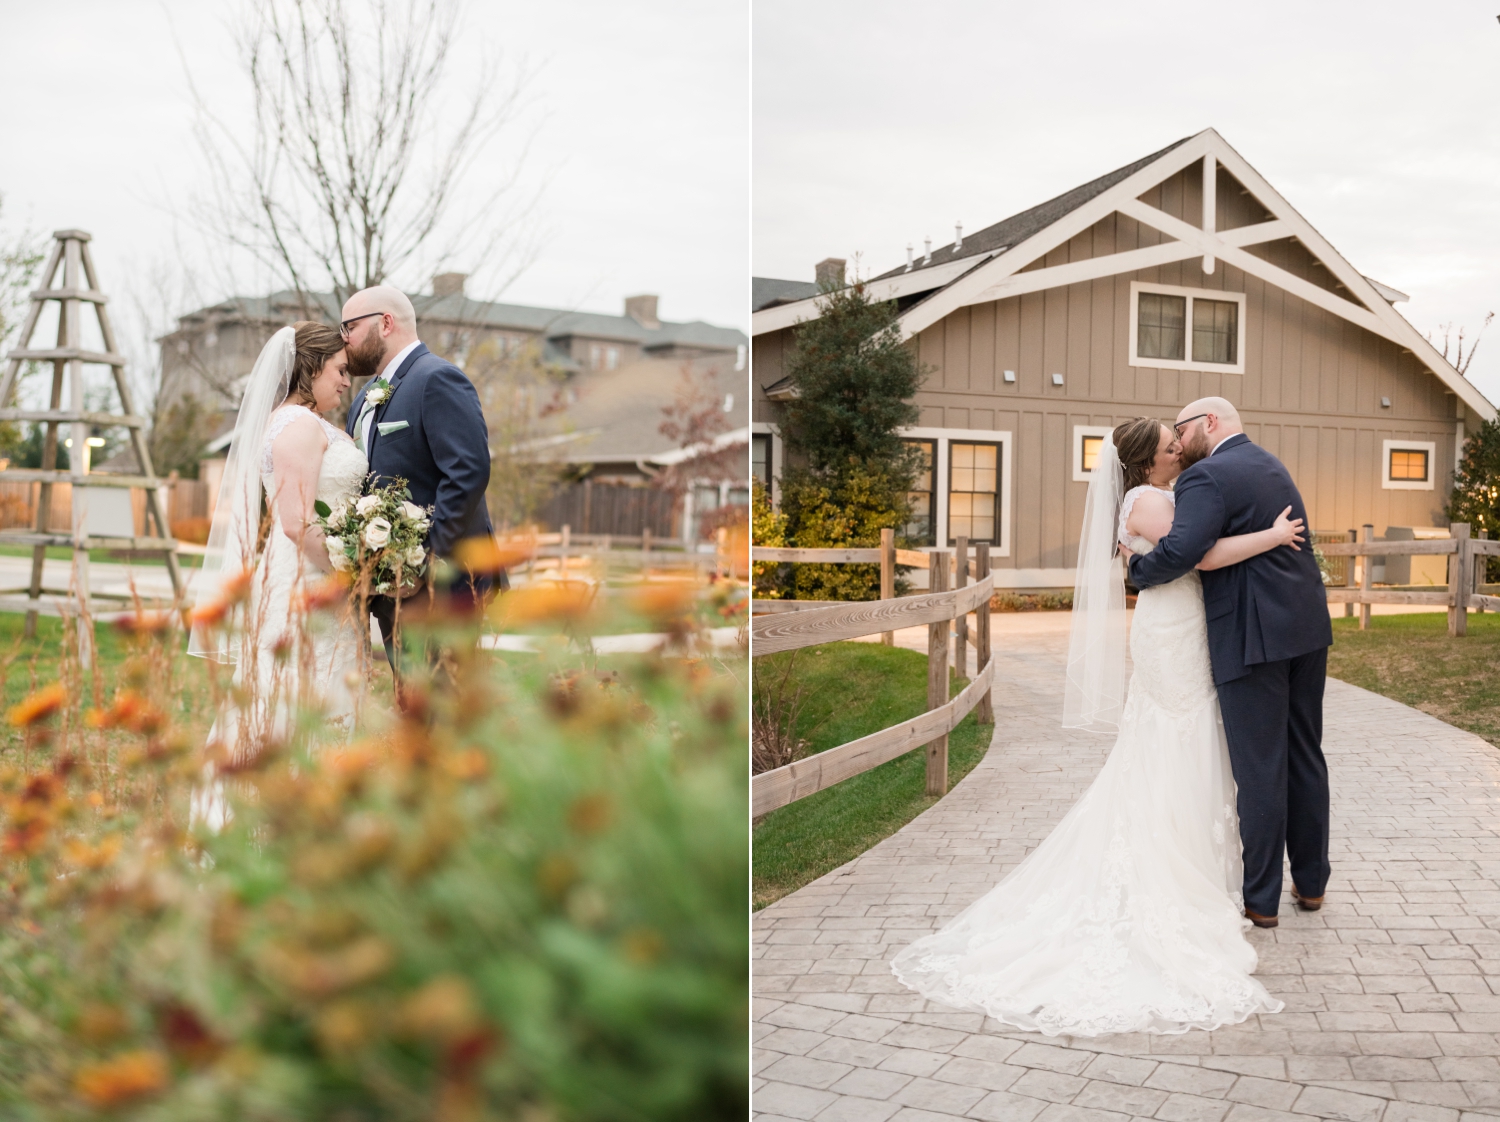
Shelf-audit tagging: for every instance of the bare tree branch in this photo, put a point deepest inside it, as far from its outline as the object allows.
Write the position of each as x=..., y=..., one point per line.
x=356, y=165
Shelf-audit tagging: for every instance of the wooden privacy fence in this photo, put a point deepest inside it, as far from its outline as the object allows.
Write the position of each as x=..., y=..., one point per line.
x=1463, y=575
x=775, y=633
x=615, y=509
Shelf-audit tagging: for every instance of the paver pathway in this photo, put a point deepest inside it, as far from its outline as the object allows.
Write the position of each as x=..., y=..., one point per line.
x=1392, y=991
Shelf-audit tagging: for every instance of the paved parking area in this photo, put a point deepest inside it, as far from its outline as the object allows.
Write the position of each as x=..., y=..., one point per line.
x=1392, y=991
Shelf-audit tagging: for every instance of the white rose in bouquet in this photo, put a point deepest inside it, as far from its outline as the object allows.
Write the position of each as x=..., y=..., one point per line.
x=414, y=512
x=336, y=555
x=378, y=533
x=367, y=504
x=414, y=556
x=338, y=516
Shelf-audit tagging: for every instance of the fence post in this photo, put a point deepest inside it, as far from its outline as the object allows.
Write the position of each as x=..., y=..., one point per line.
x=937, y=678
x=567, y=536
x=961, y=622
x=1480, y=564
x=1349, y=575
x=1460, y=579
x=888, y=576
x=645, y=550
x=986, y=706
x=1366, y=578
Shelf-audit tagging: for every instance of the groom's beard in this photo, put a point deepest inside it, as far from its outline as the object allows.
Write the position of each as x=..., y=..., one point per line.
x=364, y=361
x=1193, y=449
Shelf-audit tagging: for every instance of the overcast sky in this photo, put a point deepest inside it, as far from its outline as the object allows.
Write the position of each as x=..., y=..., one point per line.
x=879, y=123
x=641, y=152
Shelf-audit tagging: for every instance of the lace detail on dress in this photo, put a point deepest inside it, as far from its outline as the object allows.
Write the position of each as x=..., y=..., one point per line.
x=1128, y=917
x=284, y=416
x=1128, y=503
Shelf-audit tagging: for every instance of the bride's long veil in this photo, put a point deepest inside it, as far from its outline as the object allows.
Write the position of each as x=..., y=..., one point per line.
x=236, y=521
x=1095, y=691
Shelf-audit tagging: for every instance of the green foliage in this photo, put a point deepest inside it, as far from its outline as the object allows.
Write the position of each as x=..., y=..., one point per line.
x=1475, y=498
x=524, y=899
x=768, y=528
x=855, y=379
x=841, y=510
x=853, y=689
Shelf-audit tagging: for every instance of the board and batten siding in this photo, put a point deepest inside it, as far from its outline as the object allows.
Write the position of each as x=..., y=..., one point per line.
x=1310, y=392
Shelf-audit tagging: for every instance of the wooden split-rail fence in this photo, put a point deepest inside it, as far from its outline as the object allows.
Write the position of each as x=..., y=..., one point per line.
x=942, y=608
x=1465, y=576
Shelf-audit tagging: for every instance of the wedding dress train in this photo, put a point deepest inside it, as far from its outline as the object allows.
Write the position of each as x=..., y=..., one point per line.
x=1128, y=917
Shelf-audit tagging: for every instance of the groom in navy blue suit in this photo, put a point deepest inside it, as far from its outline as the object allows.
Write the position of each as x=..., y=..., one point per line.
x=1268, y=639
x=419, y=419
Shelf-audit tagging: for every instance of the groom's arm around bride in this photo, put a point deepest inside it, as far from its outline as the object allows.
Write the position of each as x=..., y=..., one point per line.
x=1268, y=639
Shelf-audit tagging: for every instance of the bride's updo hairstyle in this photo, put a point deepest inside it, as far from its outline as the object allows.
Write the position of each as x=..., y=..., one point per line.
x=315, y=344
x=1136, y=443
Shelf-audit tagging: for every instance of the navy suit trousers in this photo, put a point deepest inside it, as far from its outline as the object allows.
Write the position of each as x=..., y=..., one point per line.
x=1273, y=718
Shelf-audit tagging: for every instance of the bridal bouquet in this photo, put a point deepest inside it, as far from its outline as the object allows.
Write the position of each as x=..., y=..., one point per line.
x=381, y=534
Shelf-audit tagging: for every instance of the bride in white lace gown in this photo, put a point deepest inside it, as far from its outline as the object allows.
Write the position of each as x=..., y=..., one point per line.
x=1128, y=917
x=284, y=452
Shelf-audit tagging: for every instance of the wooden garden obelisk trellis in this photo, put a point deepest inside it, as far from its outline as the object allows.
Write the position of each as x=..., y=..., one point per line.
x=72, y=267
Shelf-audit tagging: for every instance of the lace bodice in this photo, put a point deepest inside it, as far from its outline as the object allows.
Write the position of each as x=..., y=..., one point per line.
x=1127, y=504
x=344, y=465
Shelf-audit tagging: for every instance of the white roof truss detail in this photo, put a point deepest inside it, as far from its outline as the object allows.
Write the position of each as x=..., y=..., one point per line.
x=1002, y=276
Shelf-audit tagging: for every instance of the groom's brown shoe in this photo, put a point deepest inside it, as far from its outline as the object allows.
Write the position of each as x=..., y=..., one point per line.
x=1306, y=903
x=1260, y=920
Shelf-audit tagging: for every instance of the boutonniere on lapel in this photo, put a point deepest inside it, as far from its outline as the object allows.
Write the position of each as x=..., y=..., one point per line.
x=379, y=393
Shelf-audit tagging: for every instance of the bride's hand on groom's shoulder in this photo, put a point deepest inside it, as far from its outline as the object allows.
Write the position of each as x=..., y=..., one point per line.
x=1289, y=530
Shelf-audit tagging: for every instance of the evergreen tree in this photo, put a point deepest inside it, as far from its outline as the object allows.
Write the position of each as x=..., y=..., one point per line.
x=855, y=379
x=1476, y=488
x=852, y=470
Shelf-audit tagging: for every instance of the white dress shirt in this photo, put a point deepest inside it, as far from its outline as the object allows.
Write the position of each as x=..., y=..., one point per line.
x=390, y=369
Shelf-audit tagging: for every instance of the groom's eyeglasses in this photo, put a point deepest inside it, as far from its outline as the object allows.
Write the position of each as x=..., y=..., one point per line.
x=348, y=325
x=1177, y=428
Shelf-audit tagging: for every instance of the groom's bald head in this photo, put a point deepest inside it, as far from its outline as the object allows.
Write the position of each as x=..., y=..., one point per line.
x=385, y=324
x=1204, y=424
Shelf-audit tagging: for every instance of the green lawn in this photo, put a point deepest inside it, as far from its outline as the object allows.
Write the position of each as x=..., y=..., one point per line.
x=854, y=689
x=1411, y=659
x=63, y=553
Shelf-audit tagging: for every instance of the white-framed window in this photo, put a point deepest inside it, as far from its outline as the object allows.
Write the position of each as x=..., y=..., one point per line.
x=1087, y=440
x=603, y=356
x=1175, y=328
x=765, y=440
x=1408, y=465
x=974, y=485
x=923, y=496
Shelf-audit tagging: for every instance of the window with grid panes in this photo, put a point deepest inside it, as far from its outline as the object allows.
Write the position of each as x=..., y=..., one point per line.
x=973, y=492
x=922, y=497
x=1162, y=326
x=1091, y=446
x=1216, y=330
x=1409, y=464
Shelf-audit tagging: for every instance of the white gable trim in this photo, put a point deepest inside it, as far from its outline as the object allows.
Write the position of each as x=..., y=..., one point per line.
x=891, y=288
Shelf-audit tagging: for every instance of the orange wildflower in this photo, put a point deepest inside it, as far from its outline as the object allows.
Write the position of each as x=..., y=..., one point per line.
x=211, y=613
x=590, y=814
x=39, y=706
x=331, y=592
x=560, y=601
x=664, y=601
x=237, y=587
x=129, y=710
x=486, y=555
x=144, y=623
x=79, y=852
x=444, y=1009
x=127, y=1076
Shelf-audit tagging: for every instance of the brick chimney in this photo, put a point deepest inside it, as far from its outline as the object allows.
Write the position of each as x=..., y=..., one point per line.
x=642, y=309
x=449, y=284
x=830, y=270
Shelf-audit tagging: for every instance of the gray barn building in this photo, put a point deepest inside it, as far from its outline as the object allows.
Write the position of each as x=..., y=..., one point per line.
x=1181, y=275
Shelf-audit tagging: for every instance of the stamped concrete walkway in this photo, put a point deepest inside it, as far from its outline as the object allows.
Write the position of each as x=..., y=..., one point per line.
x=1392, y=991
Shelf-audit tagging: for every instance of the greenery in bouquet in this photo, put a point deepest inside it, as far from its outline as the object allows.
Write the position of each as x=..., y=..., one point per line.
x=522, y=899
x=380, y=536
